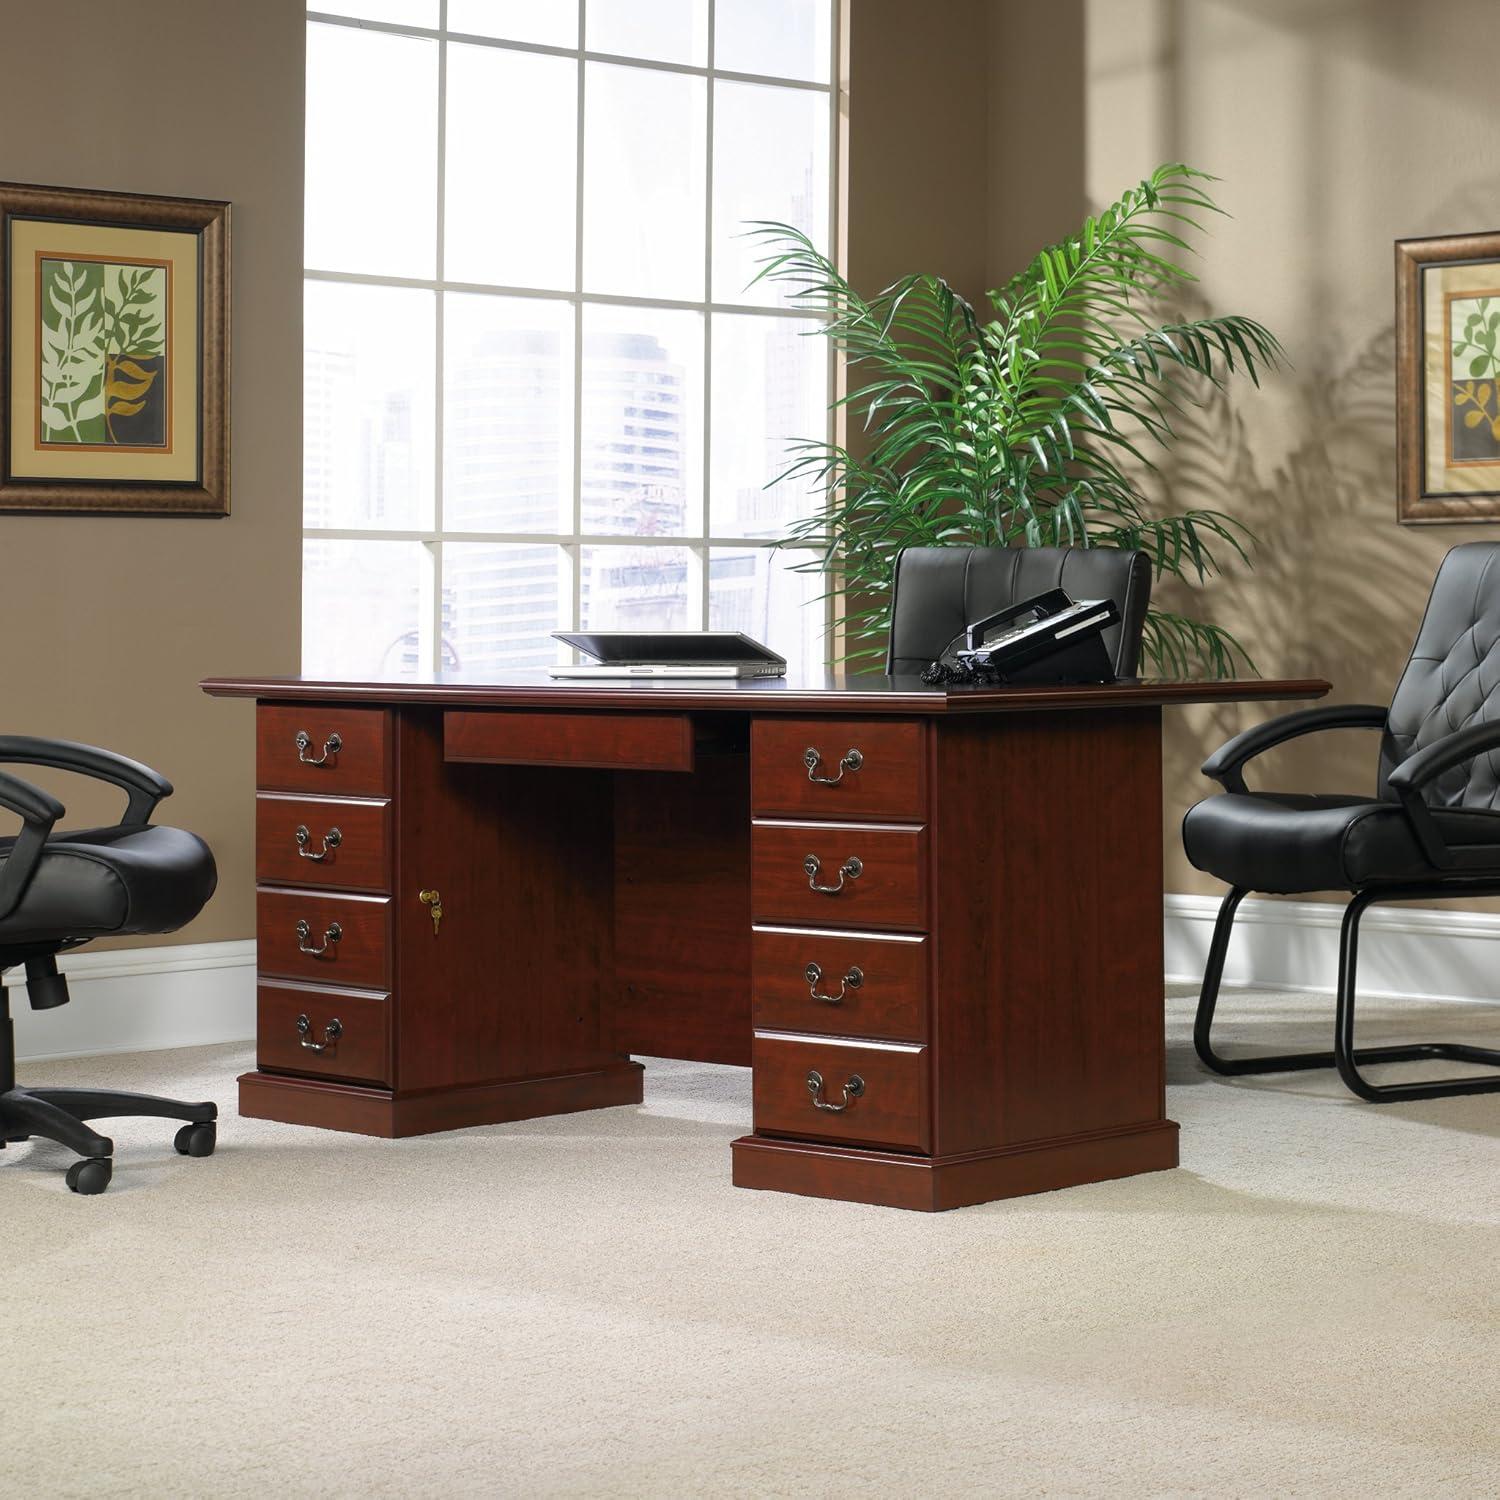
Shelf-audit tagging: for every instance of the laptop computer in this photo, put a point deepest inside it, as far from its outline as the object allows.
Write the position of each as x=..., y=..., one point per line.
x=669, y=653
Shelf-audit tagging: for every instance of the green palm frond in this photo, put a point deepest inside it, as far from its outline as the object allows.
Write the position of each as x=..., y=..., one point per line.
x=1033, y=428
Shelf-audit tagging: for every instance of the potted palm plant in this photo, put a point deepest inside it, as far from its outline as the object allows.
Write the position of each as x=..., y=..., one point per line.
x=1029, y=428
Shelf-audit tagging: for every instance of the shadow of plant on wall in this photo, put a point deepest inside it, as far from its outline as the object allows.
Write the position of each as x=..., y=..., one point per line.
x=1338, y=586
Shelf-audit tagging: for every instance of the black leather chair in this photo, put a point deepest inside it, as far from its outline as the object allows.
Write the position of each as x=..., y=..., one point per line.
x=1432, y=829
x=939, y=591
x=58, y=890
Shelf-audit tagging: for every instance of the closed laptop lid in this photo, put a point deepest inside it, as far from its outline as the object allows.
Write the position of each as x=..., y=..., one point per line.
x=670, y=647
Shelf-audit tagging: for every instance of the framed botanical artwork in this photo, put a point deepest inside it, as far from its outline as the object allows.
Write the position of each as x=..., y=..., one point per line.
x=1448, y=378
x=114, y=353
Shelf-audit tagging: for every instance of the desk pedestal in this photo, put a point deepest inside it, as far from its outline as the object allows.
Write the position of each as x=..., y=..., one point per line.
x=1038, y=1052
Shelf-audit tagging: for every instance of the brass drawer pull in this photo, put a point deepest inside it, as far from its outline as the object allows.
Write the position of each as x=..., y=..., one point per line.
x=812, y=758
x=852, y=1090
x=331, y=840
x=331, y=746
x=851, y=869
x=851, y=981
x=331, y=935
x=331, y=1033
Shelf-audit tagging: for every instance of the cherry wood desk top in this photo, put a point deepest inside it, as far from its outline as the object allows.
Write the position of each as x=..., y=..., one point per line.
x=829, y=693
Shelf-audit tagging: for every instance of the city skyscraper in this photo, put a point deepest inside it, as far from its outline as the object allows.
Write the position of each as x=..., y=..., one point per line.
x=507, y=469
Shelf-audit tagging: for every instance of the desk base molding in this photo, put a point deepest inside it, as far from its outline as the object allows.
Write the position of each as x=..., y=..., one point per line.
x=932, y=1184
x=366, y=1111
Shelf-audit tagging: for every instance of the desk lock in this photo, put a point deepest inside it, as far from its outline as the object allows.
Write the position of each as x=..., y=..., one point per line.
x=852, y=1090
x=851, y=869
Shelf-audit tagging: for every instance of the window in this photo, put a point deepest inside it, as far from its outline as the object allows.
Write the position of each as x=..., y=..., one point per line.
x=539, y=392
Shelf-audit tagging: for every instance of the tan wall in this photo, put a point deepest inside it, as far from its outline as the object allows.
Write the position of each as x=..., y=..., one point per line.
x=917, y=147
x=1036, y=129
x=1337, y=127
x=106, y=625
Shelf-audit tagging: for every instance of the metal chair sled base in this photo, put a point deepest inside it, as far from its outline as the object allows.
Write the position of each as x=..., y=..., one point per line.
x=1345, y=1056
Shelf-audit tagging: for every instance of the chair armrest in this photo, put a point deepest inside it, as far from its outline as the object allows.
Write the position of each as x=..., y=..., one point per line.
x=1428, y=763
x=1226, y=764
x=1425, y=766
x=144, y=787
x=38, y=811
x=31, y=802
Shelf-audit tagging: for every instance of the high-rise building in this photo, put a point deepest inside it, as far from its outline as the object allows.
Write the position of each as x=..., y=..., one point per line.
x=330, y=431
x=633, y=439
x=507, y=468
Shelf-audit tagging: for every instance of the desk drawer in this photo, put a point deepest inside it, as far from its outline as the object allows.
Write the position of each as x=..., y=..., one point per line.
x=328, y=1033
x=855, y=985
x=865, y=768
x=354, y=933
x=864, y=876
x=342, y=842
x=342, y=752
x=612, y=742
x=880, y=1086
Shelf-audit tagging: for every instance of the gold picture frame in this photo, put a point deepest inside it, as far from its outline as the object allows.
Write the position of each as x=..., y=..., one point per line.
x=1448, y=378
x=114, y=353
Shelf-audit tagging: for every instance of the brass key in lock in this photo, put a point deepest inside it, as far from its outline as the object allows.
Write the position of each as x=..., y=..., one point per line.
x=434, y=902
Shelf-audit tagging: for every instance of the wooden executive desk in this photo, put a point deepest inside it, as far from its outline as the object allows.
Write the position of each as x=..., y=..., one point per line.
x=930, y=920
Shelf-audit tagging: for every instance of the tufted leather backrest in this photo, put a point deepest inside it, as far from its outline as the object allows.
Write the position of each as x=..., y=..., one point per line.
x=1453, y=677
x=939, y=591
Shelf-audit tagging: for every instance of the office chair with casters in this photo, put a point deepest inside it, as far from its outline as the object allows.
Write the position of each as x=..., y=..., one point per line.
x=1431, y=831
x=59, y=890
x=938, y=591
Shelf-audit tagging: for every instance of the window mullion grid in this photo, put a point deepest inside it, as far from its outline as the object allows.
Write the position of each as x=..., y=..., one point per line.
x=574, y=551
x=574, y=540
x=546, y=294
x=534, y=538
x=506, y=44
x=436, y=565
x=834, y=387
x=705, y=601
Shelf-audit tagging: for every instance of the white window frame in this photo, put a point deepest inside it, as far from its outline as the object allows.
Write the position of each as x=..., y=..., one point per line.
x=573, y=541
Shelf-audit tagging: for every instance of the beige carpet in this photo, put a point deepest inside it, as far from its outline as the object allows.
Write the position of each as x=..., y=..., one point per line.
x=584, y=1306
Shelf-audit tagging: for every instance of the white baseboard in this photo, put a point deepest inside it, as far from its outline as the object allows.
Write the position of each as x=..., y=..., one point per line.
x=141, y=999
x=1405, y=952
x=195, y=994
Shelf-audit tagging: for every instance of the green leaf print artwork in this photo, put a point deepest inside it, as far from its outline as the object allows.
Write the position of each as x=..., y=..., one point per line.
x=102, y=354
x=1475, y=326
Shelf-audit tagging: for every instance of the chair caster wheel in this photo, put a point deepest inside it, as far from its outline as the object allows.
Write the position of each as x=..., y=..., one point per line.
x=91, y=1175
x=196, y=1140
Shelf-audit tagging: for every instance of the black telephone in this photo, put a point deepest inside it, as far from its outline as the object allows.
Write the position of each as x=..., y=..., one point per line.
x=1051, y=638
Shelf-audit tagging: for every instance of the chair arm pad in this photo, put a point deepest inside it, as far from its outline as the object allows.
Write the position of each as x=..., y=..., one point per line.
x=39, y=811
x=1442, y=755
x=31, y=802
x=1226, y=763
x=145, y=787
